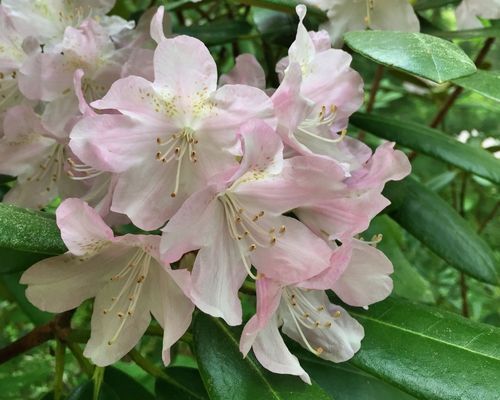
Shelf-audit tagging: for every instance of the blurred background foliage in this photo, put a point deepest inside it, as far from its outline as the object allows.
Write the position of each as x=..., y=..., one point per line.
x=230, y=28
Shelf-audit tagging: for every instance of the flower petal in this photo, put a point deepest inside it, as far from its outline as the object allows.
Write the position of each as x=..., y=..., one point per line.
x=246, y=71
x=218, y=274
x=366, y=279
x=170, y=306
x=82, y=229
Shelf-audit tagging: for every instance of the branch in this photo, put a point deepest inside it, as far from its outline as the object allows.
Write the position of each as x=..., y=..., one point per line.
x=57, y=328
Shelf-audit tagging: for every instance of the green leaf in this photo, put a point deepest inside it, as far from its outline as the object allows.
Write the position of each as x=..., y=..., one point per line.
x=227, y=375
x=466, y=34
x=184, y=384
x=427, y=4
x=345, y=382
x=431, y=142
x=416, y=53
x=483, y=82
x=126, y=387
x=440, y=181
x=29, y=231
x=429, y=353
x=16, y=291
x=287, y=6
x=217, y=32
x=13, y=260
x=86, y=389
x=437, y=225
x=408, y=283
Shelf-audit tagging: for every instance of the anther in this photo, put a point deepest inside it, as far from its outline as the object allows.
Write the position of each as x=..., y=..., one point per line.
x=282, y=229
x=336, y=314
x=252, y=247
x=273, y=241
x=319, y=350
x=173, y=194
x=120, y=315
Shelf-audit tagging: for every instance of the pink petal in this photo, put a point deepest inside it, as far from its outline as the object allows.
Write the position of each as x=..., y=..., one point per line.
x=156, y=30
x=180, y=57
x=82, y=229
x=366, y=279
x=246, y=71
x=170, y=306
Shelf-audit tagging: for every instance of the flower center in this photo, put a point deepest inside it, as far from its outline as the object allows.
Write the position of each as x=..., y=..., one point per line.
x=325, y=118
x=307, y=315
x=131, y=278
x=248, y=229
x=175, y=149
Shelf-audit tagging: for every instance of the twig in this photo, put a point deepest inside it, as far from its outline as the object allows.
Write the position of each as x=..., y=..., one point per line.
x=490, y=216
x=57, y=328
x=379, y=73
x=59, y=370
x=456, y=93
x=463, y=292
x=83, y=362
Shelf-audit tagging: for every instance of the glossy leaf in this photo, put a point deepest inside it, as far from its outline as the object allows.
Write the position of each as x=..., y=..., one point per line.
x=126, y=387
x=440, y=181
x=227, y=375
x=217, y=32
x=432, y=143
x=437, y=225
x=483, y=82
x=345, y=382
x=183, y=384
x=429, y=353
x=416, y=53
x=29, y=231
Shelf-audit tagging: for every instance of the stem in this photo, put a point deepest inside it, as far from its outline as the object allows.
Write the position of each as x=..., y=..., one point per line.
x=59, y=370
x=98, y=378
x=490, y=216
x=248, y=288
x=379, y=73
x=463, y=292
x=83, y=362
x=147, y=365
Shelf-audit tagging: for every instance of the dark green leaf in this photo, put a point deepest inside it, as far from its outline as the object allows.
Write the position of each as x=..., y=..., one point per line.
x=287, y=6
x=183, y=384
x=6, y=178
x=483, y=82
x=432, y=143
x=440, y=181
x=218, y=32
x=126, y=387
x=344, y=382
x=416, y=53
x=437, y=225
x=466, y=34
x=13, y=260
x=429, y=353
x=227, y=375
x=16, y=291
x=86, y=390
x=29, y=231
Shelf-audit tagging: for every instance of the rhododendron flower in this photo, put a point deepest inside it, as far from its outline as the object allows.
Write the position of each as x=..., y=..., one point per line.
x=12, y=56
x=306, y=316
x=355, y=15
x=320, y=91
x=124, y=275
x=468, y=12
x=48, y=19
x=37, y=157
x=236, y=224
x=177, y=131
x=246, y=71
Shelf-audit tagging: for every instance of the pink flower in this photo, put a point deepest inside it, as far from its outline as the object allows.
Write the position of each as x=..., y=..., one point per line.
x=246, y=71
x=320, y=90
x=124, y=275
x=178, y=131
x=306, y=316
x=236, y=223
x=37, y=157
x=48, y=19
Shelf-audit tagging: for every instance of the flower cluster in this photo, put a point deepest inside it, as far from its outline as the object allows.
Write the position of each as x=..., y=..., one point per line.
x=252, y=183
